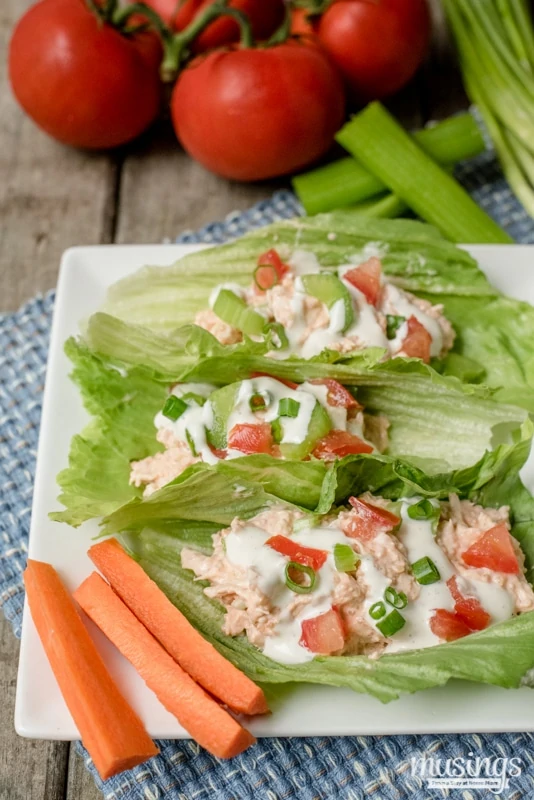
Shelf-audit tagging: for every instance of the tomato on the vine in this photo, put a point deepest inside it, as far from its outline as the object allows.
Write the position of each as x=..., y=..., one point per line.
x=378, y=45
x=265, y=18
x=82, y=80
x=250, y=114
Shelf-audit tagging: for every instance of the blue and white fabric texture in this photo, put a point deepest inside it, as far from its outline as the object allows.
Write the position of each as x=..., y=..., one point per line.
x=346, y=768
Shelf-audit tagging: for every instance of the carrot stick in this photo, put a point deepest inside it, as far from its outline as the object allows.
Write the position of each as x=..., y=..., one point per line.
x=197, y=712
x=179, y=638
x=110, y=729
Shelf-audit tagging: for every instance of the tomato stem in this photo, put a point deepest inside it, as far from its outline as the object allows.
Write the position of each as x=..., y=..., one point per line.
x=177, y=50
x=121, y=17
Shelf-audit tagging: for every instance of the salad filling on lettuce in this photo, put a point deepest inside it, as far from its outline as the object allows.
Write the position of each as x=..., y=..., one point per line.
x=494, y=333
x=379, y=578
x=200, y=423
x=312, y=310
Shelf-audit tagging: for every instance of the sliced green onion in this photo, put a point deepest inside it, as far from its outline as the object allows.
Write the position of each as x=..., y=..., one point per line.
x=235, y=312
x=287, y=407
x=277, y=331
x=303, y=570
x=174, y=407
x=346, y=182
x=376, y=139
x=345, y=557
x=377, y=610
x=391, y=624
x=196, y=398
x=424, y=509
x=277, y=431
x=393, y=323
x=395, y=598
x=272, y=283
x=425, y=571
x=259, y=401
x=191, y=443
x=495, y=42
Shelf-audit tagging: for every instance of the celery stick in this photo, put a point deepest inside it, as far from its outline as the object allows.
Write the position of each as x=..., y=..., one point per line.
x=346, y=182
x=385, y=206
x=379, y=142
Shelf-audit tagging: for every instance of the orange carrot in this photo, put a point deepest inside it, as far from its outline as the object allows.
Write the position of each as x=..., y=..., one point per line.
x=179, y=638
x=197, y=712
x=110, y=729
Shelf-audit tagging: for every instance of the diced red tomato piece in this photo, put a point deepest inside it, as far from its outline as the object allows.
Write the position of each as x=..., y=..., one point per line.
x=418, y=341
x=448, y=625
x=494, y=550
x=337, y=394
x=369, y=520
x=249, y=438
x=309, y=556
x=272, y=259
x=366, y=278
x=323, y=634
x=338, y=444
x=218, y=453
x=285, y=381
x=468, y=608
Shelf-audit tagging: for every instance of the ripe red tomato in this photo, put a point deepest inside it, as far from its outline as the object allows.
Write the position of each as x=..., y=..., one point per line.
x=418, y=341
x=309, y=556
x=448, y=625
x=250, y=438
x=366, y=278
x=250, y=114
x=338, y=444
x=265, y=17
x=324, y=634
x=376, y=45
x=337, y=395
x=494, y=550
x=369, y=520
x=80, y=80
x=468, y=608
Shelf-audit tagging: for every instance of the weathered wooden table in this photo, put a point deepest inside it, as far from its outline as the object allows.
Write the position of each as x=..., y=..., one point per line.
x=52, y=198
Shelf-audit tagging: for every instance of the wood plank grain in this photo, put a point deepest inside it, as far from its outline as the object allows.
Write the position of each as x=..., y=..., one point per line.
x=80, y=783
x=51, y=197
x=29, y=770
x=163, y=192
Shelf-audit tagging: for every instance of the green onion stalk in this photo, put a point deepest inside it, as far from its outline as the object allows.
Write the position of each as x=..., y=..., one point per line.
x=495, y=40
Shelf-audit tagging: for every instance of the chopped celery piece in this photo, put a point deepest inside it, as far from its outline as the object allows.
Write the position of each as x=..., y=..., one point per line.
x=386, y=206
x=345, y=558
x=347, y=182
x=233, y=310
x=320, y=425
x=329, y=290
x=385, y=148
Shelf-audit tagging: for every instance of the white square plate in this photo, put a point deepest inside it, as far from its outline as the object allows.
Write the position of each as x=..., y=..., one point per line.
x=85, y=274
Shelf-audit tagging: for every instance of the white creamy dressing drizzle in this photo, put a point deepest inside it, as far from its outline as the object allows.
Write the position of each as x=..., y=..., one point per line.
x=265, y=568
x=266, y=571
x=295, y=429
x=419, y=541
x=194, y=420
x=304, y=262
x=322, y=338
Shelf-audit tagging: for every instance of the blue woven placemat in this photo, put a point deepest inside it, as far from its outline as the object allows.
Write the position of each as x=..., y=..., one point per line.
x=347, y=768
